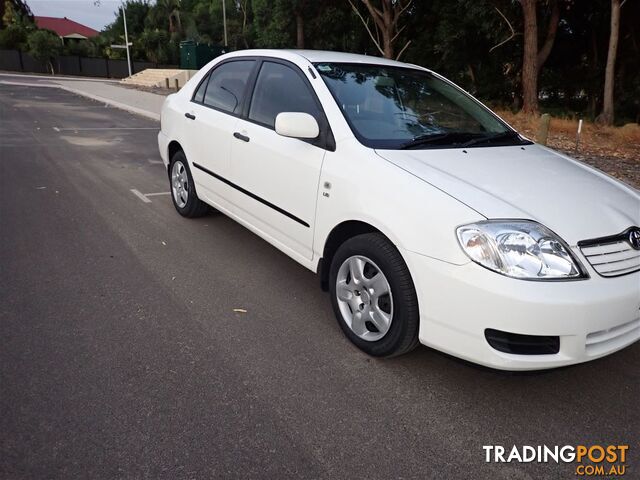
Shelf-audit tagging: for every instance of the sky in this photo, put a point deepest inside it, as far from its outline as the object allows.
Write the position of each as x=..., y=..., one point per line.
x=82, y=11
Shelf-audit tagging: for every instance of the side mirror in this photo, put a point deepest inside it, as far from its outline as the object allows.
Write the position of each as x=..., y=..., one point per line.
x=297, y=125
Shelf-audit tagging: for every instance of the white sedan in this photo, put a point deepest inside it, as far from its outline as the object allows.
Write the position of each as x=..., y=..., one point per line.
x=427, y=218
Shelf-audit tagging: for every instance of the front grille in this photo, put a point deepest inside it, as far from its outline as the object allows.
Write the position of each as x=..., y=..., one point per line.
x=618, y=336
x=611, y=259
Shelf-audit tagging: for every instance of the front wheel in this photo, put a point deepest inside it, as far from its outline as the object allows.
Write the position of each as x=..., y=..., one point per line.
x=373, y=296
x=183, y=190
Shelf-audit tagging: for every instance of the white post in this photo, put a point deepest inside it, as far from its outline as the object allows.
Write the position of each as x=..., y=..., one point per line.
x=224, y=22
x=578, y=134
x=126, y=38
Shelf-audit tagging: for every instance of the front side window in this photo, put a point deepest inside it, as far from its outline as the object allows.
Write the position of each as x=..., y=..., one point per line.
x=280, y=89
x=395, y=107
x=226, y=85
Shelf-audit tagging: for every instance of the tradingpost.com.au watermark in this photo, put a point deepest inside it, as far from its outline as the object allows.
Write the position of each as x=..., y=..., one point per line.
x=589, y=460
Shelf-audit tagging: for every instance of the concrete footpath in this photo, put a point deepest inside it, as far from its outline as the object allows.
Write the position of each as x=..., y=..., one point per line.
x=108, y=91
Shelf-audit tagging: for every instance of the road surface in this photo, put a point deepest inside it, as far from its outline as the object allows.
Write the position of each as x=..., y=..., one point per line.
x=123, y=355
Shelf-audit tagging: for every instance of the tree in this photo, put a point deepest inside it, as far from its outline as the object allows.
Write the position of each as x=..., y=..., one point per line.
x=272, y=23
x=386, y=16
x=164, y=15
x=154, y=43
x=17, y=22
x=44, y=46
x=13, y=36
x=533, y=58
x=607, y=115
x=11, y=11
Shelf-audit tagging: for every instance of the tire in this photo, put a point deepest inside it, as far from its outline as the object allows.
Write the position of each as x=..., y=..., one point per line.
x=363, y=293
x=183, y=191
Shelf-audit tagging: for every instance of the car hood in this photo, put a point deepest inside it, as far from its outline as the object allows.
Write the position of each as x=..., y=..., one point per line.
x=528, y=182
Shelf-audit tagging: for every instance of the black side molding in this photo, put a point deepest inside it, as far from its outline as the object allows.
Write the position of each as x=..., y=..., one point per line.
x=252, y=195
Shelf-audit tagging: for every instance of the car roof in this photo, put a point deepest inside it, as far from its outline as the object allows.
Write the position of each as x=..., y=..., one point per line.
x=321, y=56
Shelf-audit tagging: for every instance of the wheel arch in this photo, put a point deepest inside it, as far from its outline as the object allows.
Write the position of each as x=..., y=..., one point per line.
x=338, y=235
x=173, y=148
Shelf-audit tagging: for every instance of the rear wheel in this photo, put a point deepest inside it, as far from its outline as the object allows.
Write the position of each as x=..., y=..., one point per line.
x=373, y=296
x=183, y=190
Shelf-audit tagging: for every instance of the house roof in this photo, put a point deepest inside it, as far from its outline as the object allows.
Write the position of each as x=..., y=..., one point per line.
x=65, y=27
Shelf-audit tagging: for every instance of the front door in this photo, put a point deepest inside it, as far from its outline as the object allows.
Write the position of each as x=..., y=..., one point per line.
x=278, y=176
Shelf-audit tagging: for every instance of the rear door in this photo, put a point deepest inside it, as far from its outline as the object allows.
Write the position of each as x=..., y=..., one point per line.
x=211, y=120
x=277, y=177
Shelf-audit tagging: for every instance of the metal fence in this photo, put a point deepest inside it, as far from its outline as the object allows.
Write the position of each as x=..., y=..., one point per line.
x=17, y=61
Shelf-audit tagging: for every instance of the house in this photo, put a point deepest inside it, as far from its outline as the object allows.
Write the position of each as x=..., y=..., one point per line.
x=66, y=28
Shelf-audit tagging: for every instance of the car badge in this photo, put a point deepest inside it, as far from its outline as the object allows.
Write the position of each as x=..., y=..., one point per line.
x=634, y=238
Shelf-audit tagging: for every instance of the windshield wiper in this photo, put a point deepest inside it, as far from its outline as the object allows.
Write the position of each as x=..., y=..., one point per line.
x=437, y=138
x=493, y=137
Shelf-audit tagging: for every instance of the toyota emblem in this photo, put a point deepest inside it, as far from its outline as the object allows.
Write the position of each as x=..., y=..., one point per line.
x=634, y=238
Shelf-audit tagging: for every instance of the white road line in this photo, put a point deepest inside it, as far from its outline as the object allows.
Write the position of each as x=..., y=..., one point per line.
x=33, y=84
x=154, y=162
x=156, y=194
x=56, y=129
x=140, y=195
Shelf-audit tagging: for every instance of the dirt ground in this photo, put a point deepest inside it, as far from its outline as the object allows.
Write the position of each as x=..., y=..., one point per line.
x=614, y=150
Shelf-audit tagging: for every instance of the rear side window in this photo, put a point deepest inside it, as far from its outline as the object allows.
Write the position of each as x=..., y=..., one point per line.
x=226, y=85
x=280, y=89
x=199, y=95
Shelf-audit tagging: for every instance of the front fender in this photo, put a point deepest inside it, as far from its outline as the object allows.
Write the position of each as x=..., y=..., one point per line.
x=357, y=184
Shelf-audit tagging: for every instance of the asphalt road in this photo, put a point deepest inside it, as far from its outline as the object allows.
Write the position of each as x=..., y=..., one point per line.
x=122, y=356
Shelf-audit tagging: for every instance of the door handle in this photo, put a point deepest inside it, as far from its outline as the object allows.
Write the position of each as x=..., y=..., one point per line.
x=190, y=116
x=239, y=136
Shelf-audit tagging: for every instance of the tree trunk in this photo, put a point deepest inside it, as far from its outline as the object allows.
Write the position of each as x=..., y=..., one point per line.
x=299, y=30
x=388, y=30
x=554, y=21
x=243, y=7
x=530, y=58
x=607, y=115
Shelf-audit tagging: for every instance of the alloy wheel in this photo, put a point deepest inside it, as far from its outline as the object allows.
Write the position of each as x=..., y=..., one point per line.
x=179, y=184
x=364, y=298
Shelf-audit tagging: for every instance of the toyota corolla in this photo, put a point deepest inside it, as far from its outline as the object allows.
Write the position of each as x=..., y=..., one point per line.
x=427, y=218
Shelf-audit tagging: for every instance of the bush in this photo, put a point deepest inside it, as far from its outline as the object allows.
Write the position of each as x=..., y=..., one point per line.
x=44, y=46
x=13, y=36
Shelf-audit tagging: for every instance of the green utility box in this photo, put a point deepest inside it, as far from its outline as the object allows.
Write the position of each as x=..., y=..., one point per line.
x=194, y=56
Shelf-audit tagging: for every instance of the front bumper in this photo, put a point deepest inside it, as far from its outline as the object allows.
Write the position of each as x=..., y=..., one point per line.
x=593, y=317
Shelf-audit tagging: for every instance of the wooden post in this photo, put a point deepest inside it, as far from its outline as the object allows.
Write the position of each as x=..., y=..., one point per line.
x=175, y=81
x=543, y=129
x=166, y=82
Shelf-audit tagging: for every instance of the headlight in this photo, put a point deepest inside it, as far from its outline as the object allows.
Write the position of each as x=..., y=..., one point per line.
x=519, y=249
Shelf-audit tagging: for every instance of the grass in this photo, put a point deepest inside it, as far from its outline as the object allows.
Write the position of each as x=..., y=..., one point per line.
x=604, y=140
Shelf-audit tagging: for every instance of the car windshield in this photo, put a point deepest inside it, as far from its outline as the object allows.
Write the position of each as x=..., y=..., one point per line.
x=395, y=107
